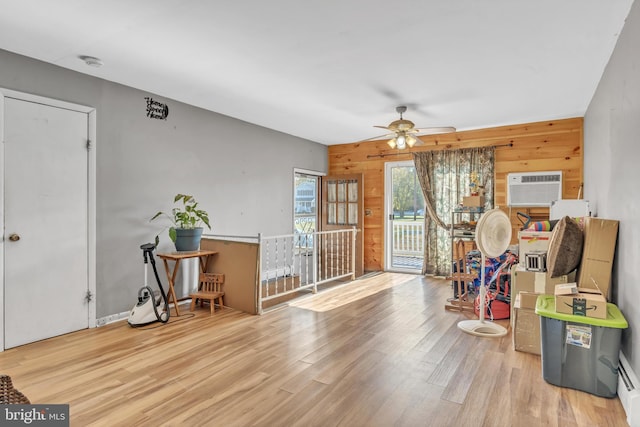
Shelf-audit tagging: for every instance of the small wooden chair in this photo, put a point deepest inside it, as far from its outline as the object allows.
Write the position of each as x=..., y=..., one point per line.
x=210, y=289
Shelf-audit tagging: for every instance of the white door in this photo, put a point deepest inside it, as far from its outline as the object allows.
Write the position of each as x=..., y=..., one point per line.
x=404, y=207
x=46, y=221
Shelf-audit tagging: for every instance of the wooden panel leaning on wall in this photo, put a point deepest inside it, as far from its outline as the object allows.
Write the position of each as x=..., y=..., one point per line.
x=531, y=147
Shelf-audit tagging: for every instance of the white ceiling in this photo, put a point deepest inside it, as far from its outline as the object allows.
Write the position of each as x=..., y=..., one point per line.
x=328, y=70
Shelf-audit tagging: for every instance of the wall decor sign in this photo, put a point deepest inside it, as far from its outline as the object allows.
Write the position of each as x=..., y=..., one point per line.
x=156, y=110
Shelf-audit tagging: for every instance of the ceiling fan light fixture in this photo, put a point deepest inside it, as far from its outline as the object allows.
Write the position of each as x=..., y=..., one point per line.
x=401, y=141
x=411, y=141
x=404, y=134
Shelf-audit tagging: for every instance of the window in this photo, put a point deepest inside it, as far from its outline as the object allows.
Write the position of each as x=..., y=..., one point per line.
x=342, y=202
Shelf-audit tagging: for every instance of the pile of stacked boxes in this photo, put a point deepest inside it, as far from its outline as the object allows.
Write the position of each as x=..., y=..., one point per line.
x=531, y=280
x=567, y=319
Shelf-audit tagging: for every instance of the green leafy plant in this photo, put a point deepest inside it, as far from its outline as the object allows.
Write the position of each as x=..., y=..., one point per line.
x=185, y=216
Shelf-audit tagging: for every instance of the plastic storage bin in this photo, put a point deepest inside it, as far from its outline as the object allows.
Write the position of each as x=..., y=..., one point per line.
x=580, y=352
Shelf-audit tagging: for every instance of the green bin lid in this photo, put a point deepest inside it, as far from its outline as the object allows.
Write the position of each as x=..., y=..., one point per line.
x=546, y=306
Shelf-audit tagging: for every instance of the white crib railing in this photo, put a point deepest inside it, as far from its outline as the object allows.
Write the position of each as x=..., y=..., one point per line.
x=295, y=262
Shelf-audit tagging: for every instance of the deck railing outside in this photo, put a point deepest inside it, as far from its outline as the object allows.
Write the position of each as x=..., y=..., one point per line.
x=408, y=238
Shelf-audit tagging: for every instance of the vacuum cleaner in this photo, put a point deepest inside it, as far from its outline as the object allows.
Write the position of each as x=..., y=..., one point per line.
x=148, y=309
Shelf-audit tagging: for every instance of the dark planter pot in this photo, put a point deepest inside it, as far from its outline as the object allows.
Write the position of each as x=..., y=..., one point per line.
x=188, y=239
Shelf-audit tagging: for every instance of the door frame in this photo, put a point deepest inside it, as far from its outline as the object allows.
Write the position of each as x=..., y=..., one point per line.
x=91, y=196
x=302, y=254
x=318, y=201
x=388, y=212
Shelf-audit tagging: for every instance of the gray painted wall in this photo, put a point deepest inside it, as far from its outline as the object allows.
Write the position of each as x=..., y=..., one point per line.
x=612, y=166
x=240, y=173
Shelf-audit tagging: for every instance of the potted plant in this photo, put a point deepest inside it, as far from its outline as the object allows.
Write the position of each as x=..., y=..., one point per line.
x=187, y=220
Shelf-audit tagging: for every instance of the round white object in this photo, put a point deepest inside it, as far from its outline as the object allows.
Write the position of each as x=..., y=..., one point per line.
x=493, y=233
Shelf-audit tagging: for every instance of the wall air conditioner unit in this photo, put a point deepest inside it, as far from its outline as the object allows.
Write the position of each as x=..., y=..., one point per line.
x=534, y=188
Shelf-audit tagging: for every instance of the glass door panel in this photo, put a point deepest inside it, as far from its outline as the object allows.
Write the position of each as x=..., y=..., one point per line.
x=405, y=217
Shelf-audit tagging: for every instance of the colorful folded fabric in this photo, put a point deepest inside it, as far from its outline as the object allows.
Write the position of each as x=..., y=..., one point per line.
x=542, y=225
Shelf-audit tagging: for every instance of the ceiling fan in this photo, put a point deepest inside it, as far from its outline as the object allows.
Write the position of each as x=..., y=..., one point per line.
x=403, y=133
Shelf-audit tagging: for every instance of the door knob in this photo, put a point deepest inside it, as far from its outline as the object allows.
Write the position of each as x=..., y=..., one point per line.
x=14, y=237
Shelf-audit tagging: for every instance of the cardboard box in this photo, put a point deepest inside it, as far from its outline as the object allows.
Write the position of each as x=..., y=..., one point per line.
x=473, y=201
x=566, y=289
x=530, y=303
x=535, y=281
x=587, y=302
x=526, y=300
x=526, y=324
x=530, y=241
x=594, y=272
x=523, y=300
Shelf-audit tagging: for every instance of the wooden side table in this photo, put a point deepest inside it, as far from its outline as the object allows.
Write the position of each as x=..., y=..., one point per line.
x=202, y=255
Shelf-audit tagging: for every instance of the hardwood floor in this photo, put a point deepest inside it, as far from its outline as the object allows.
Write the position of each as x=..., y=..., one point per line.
x=393, y=357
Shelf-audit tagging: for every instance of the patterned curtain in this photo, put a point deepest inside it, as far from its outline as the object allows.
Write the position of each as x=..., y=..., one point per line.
x=444, y=177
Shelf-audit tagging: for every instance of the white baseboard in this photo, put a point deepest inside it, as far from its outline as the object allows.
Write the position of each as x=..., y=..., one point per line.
x=119, y=316
x=629, y=392
x=111, y=318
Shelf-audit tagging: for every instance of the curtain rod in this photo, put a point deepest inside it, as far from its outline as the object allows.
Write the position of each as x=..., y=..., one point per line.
x=371, y=156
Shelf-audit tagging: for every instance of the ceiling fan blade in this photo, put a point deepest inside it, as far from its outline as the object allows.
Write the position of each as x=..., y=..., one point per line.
x=434, y=130
x=383, y=127
x=379, y=137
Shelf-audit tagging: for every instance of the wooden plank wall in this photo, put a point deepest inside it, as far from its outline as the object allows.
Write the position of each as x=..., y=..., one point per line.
x=540, y=146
